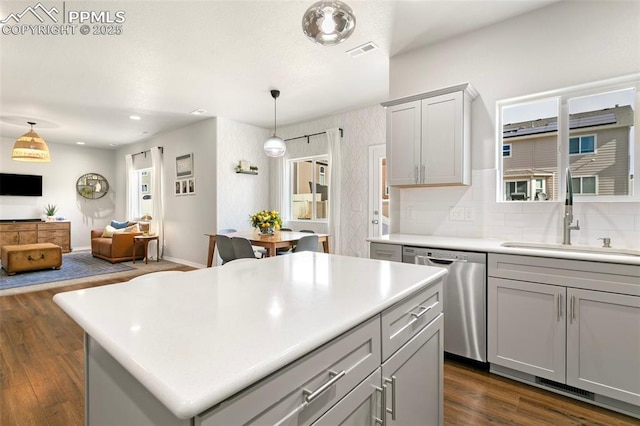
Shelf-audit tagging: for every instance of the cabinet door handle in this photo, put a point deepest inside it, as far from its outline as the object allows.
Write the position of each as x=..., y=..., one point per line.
x=573, y=308
x=384, y=253
x=392, y=410
x=559, y=306
x=416, y=175
x=383, y=405
x=311, y=395
x=422, y=174
x=423, y=310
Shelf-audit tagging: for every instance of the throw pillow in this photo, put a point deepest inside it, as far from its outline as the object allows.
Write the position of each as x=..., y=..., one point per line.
x=132, y=228
x=108, y=231
x=119, y=225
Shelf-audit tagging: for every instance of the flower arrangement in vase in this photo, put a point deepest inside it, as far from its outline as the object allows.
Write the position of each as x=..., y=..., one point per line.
x=266, y=221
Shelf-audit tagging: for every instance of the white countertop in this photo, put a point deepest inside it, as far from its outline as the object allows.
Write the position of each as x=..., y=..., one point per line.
x=495, y=246
x=195, y=338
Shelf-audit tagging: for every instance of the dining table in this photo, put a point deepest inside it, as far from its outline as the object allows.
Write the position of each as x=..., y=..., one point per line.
x=278, y=240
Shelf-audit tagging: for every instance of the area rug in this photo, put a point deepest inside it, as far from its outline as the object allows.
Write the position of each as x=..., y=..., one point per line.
x=74, y=265
x=94, y=270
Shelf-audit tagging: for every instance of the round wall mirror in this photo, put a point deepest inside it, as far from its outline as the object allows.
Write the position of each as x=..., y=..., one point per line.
x=92, y=186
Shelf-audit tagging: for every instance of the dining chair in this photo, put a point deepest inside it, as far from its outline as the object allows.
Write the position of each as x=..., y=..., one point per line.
x=242, y=248
x=225, y=248
x=284, y=250
x=227, y=231
x=309, y=231
x=286, y=229
x=307, y=243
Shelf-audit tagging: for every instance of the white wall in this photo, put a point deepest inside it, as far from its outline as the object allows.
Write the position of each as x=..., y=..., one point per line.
x=240, y=195
x=188, y=217
x=564, y=44
x=362, y=128
x=68, y=163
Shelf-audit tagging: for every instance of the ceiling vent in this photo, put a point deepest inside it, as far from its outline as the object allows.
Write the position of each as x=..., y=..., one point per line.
x=361, y=50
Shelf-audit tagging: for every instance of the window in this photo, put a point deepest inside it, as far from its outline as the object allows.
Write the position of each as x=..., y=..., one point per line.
x=582, y=145
x=584, y=185
x=588, y=129
x=145, y=205
x=517, y=190
x=309, y=194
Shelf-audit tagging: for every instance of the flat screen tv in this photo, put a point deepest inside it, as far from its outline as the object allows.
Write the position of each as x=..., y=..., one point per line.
x=24, y=185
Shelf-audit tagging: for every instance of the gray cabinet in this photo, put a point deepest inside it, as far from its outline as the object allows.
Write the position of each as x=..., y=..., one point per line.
x=603, y=344
x=383, y=251
x=428, y=138
x=568, y=322
x=413, y=379
x=527, y=327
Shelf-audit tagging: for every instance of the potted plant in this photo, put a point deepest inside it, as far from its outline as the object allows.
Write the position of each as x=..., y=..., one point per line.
x=50, y=210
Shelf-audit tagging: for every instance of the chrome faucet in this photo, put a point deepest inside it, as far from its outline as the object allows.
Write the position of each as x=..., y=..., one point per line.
x=568, y=212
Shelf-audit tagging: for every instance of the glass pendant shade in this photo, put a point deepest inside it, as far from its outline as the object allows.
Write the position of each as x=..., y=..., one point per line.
x=328, y=22
x=274, y=146
x=31, y=147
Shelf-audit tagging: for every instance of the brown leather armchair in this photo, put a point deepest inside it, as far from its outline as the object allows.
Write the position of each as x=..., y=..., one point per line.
x=118, y=248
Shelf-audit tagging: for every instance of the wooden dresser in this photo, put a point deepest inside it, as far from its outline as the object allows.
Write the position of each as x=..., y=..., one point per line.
x=58, y=233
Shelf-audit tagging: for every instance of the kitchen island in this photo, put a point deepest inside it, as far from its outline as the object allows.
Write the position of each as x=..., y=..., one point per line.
x=228, y=345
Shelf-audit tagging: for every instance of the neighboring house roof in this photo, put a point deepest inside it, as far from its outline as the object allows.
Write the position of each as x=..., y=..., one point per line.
x=527, y=172
x=618, y=115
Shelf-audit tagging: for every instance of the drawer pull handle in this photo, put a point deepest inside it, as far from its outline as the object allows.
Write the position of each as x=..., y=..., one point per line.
x=423, y=310
x=311, y=395
x=32, y=259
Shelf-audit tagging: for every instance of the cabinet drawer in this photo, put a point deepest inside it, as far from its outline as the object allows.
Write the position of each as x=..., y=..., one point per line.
x=611, y=277
x=50, y=226
x=17, y=227
x=383, y=251
x=406, y=318
x=359, y=407
x=282, y=398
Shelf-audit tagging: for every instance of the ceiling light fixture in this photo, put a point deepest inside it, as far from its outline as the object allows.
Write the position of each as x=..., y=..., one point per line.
x=135, y=117
x=274, y=146
x=328, y=22
x=31, y=147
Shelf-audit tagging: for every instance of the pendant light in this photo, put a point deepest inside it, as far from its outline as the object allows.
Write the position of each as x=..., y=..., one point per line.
x=328, y=22
x=31, y=147
x=274, y=146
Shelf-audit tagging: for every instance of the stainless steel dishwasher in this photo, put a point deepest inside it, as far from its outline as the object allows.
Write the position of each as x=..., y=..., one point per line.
x=465, y=296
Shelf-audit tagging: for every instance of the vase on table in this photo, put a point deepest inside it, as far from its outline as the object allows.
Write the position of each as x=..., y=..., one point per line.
x=266, y=231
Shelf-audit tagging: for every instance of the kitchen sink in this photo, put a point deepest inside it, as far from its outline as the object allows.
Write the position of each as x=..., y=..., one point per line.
x=571, y=248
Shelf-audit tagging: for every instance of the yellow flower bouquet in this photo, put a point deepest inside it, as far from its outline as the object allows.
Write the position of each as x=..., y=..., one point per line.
x=266, y=221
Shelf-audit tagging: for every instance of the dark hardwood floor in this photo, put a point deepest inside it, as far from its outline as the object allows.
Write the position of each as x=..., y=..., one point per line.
x=42, y=377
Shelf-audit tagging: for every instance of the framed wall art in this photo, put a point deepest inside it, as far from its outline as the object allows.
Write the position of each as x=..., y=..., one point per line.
x=184, y=166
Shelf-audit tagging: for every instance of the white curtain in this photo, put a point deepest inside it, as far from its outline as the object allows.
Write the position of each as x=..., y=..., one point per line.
x=157, y=224
x=333, y=138
x=131, y=188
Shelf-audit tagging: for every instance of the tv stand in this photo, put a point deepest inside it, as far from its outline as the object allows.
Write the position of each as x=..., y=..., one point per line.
x=31, y=231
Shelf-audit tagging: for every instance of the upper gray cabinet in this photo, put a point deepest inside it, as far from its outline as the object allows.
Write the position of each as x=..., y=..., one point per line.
x=428, y=138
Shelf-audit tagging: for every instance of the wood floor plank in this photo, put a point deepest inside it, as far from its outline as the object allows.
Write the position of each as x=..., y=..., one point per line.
x=20, y=406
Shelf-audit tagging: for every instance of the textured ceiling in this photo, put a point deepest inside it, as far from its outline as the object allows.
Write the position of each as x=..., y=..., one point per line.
x=174, y=57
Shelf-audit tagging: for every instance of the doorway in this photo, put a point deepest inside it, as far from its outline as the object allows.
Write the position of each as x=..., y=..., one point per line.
x=378, y=192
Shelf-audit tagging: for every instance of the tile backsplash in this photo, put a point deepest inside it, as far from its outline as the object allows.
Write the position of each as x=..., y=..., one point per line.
x=473, y=212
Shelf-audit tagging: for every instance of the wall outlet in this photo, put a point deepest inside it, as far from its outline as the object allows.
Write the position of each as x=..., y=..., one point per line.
x=469, y=214
x=456, y=213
